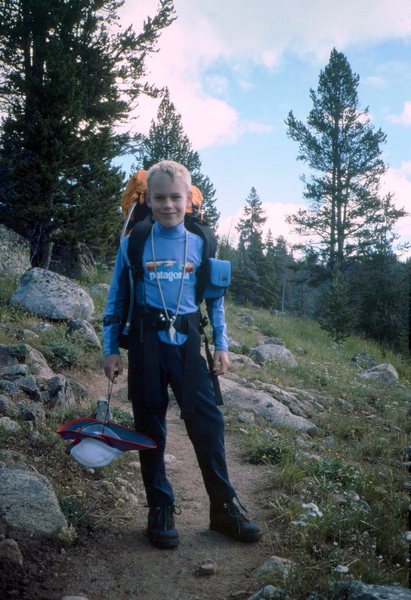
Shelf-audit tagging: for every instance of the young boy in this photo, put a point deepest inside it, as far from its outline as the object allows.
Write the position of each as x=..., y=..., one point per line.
x=165, y=349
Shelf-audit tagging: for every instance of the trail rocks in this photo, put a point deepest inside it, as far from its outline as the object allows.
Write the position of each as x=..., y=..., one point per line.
x=275, y=565
x=28, y=503
x=8, y=425
x=84, y=331
x=356, y=590
x=37, y=365
x=9, y=550
x=264, y=405
x=53, y=296
x=27, y=384
x=269, y=592
x=242, y=361
x=382, y=375
x=14, y=252
x=364, y=360
x=276, y=352
x=207, y=567
x=59, y=392
x=300, y=402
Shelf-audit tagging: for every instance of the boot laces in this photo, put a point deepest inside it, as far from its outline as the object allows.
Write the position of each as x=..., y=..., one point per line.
x=235, y=513
x=165, y=515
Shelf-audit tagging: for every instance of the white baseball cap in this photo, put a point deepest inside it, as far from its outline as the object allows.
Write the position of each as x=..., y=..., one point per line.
x=91, y=452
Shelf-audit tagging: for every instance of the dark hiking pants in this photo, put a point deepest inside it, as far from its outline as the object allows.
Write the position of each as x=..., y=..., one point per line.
x=205, y=428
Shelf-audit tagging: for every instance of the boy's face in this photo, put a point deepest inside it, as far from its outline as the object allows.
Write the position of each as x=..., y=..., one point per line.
x=168, y=199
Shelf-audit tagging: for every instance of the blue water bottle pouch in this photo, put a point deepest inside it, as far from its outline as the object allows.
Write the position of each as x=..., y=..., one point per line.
x=219, y=278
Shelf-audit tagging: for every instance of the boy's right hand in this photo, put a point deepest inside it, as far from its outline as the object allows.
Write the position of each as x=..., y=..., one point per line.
x=113, y=366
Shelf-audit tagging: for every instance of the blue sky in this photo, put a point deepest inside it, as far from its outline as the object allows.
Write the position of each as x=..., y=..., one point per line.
x=235, y=71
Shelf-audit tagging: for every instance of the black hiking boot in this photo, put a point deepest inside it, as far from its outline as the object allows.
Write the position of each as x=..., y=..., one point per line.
x=161, y=529
x=229, y=520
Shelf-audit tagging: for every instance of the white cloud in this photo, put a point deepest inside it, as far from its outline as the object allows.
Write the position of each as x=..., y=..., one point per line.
x=275, y=212
x=375, y=81
x=404, y=118
x=238, y=36
x=398, y=181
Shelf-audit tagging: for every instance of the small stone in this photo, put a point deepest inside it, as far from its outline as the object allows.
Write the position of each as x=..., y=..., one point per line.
x=207, y=567
x=8, y=425
x=341, y=569
x=169, y=459
x=9, y=550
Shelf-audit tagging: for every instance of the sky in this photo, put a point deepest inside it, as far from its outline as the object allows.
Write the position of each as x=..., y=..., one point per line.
x=236, y=69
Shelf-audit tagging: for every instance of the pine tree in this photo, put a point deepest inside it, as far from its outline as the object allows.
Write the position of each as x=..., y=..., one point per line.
x=340, y=146
x=167, y=141
x=380, y=284
x=69, y=76
x=337, y=315
x=251, y=282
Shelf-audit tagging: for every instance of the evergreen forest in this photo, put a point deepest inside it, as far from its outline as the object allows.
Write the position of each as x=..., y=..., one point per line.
x=71, y=76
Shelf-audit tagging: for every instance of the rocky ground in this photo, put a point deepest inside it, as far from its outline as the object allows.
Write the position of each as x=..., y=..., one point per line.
x=112, y=558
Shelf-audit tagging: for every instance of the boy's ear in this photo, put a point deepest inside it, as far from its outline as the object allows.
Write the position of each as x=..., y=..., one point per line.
x=147, y=198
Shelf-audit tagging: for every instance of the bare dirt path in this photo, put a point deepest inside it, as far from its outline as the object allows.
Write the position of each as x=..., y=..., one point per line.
x=119, y=563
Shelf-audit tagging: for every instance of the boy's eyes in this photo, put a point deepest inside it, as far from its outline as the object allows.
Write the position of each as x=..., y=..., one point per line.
x=173, y=197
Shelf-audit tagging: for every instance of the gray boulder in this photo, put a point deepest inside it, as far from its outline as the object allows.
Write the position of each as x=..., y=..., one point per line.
x=274, y=352
x=60, y=392
x=10, y=551
x=53, y=296
x=269, y=592
x=356, y=590
x=12, y=459
x=264, y=405
x=240, y=360
x=275, y=565
x=9, y=425
x=300, y=402
x=38, y=365
x=382, y=375
x=14, y=252
x=28, y=503
x=85, y=332
x=7, y=407
x=364, y=360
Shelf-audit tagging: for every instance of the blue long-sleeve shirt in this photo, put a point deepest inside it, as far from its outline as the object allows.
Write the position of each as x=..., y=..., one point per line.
x=169, y=243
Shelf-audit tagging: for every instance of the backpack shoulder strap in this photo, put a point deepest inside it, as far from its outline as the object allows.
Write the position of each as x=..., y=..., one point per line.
x=138, y=237
x=194, y=225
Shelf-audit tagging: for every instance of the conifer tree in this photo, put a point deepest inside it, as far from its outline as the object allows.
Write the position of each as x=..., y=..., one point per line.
x=251, y=282
x=167, y=141
x=337, y=315
x=343, y=151
x=69, y=75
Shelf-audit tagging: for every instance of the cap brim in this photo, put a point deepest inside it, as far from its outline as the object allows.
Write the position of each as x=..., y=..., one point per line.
x=112, y=434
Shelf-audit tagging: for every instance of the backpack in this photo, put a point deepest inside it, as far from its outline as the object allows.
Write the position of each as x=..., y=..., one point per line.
x=213, y=275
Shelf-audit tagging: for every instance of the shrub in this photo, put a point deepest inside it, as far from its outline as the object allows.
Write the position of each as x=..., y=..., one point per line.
x=62, y=354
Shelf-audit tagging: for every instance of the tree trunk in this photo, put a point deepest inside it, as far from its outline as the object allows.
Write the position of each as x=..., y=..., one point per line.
x=45, y=254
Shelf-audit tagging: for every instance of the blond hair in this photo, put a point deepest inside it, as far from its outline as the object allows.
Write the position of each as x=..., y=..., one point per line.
x=172, y=169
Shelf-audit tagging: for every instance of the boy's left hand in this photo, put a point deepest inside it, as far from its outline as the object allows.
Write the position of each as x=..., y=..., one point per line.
x=221, y=362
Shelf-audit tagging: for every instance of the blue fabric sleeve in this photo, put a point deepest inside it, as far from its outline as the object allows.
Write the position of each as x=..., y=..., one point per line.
x=115, y=301
x=215, y=310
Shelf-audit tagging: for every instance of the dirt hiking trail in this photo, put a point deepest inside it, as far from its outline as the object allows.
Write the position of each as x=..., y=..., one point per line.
x=117, y=562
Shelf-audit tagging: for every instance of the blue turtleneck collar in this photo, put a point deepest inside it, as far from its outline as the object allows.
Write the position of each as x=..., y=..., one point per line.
x=170, y=232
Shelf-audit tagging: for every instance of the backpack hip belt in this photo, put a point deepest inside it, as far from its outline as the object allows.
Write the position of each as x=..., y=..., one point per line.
x=145, y=360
